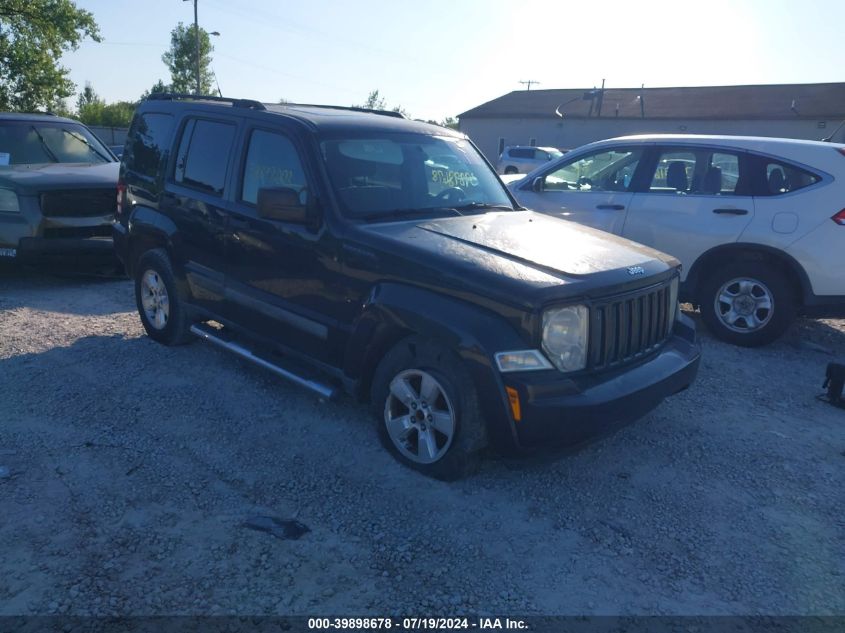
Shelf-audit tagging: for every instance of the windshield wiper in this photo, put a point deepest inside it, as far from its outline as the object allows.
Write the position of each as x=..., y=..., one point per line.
x=84, y=140
x=402, y=213
x=46, y=147
x=471, y=206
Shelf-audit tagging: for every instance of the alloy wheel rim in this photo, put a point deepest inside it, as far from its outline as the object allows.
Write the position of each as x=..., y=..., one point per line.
x=155, y=300
x=744, y=305
x=419, y=416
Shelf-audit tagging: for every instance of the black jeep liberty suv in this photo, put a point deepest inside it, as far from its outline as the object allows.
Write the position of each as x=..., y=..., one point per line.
x=358, y=250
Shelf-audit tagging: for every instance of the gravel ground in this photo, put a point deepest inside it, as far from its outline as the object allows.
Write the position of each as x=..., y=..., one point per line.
x=128, y=471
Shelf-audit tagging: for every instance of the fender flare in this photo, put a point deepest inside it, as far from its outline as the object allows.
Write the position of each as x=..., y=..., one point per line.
x=149, y=229
x=393, y=311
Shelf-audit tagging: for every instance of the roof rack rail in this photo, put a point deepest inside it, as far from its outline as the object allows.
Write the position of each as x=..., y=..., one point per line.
x=176, y=96
x=392, y=113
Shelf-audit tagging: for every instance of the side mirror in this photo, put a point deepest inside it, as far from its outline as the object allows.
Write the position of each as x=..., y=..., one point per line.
x=286, y=205
x=537, y=184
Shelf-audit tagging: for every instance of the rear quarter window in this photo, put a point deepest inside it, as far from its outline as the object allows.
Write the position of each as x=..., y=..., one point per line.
x=146, y=151
x=781, y=178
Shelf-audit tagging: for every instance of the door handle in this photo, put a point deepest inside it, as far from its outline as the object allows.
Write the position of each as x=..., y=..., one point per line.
x=611, y=207
x=730, y=211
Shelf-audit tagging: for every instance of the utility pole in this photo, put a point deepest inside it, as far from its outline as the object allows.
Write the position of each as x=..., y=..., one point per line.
x=197, y=35
x=197, y=39
x=528, y=83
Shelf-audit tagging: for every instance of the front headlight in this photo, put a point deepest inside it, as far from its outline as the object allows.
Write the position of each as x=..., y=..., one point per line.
x=565, y=336
x=9, y=201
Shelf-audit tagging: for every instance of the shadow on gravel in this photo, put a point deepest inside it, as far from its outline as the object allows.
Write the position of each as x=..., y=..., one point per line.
x=805, y=335
x=84, y=290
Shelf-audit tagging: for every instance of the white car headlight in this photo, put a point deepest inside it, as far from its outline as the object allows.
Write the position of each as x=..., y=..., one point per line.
x=9, y=201
x=565, y=336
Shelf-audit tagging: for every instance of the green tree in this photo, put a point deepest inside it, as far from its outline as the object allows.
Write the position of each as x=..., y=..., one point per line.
x=181, y=59
x=33, y=36
x=158, y=87
x=376, y=102
x=87, y=97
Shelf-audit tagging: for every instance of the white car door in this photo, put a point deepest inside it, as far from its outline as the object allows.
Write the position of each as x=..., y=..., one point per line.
x=591, y=189
x=695, y=199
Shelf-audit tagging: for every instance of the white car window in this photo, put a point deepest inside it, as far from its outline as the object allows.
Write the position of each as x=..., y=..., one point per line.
x=609, y=170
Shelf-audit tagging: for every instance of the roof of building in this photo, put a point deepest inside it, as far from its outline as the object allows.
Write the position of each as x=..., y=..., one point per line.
x=779, y=101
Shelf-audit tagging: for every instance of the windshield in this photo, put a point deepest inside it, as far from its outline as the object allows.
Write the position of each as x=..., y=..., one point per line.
x=27, y=143
x=413, y=173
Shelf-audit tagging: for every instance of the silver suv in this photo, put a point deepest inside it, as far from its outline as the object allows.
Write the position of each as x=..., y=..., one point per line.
x=520, y=159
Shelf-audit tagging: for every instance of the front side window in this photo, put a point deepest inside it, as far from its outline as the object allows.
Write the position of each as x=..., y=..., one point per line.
x=30, y=143
x=410, y=172
x=610, y=170
x=271, y=161
x=204, y=155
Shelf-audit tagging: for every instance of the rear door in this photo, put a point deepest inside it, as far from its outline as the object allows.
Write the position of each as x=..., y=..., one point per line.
x=690, y=200
x=194, y=199
x=592, y=189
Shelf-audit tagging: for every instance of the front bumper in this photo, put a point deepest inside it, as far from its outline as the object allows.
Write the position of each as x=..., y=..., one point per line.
x=37, y=250
x=572, y=410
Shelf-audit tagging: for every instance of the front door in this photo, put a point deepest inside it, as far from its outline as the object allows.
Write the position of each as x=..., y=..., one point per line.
x=280, y=276
x=694, y=198
x=592, y=189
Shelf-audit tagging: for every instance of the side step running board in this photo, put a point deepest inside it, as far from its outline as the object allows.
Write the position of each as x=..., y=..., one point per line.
x=213, y=335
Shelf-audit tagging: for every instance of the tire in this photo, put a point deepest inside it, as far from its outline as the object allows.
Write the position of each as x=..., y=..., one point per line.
x=161, y=303
x=733, y=303
x=427, y=446
x=511, y=170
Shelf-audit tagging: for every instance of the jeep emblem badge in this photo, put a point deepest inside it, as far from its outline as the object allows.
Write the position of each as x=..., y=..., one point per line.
x=636, y=270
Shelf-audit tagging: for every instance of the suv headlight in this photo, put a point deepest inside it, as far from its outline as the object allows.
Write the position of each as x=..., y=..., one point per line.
x=565, y=336
x=9, y=201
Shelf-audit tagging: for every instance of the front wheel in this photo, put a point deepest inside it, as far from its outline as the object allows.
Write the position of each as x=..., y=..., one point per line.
x=427, y=410
x=511, y=170
x=748, y=304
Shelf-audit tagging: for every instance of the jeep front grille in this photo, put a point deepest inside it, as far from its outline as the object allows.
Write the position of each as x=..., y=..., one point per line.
x=630, y=326
x=79, y=203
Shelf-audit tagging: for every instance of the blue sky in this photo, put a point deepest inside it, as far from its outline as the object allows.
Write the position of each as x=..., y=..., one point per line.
x=438, y=58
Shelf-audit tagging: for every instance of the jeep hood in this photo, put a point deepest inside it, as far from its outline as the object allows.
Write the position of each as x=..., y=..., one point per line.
x=60, y=175
x=551, y=244
x=529, y=255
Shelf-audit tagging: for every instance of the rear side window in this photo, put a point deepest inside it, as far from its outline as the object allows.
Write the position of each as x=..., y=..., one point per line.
x=204, y=155
x=271, y=161
x=149, y=143
x=700, y=171
x=782, y=178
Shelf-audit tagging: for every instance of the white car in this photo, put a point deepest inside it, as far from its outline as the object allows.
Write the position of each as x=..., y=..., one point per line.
x=758, y=223
x=517, y=159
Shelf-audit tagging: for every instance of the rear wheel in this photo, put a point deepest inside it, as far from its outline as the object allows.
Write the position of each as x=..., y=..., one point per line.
x=511, y=170
x=748, y=304
x=160, y=303
x=427, y=410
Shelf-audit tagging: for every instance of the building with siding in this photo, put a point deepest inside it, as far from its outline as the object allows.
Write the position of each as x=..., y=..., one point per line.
x=571, y=117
